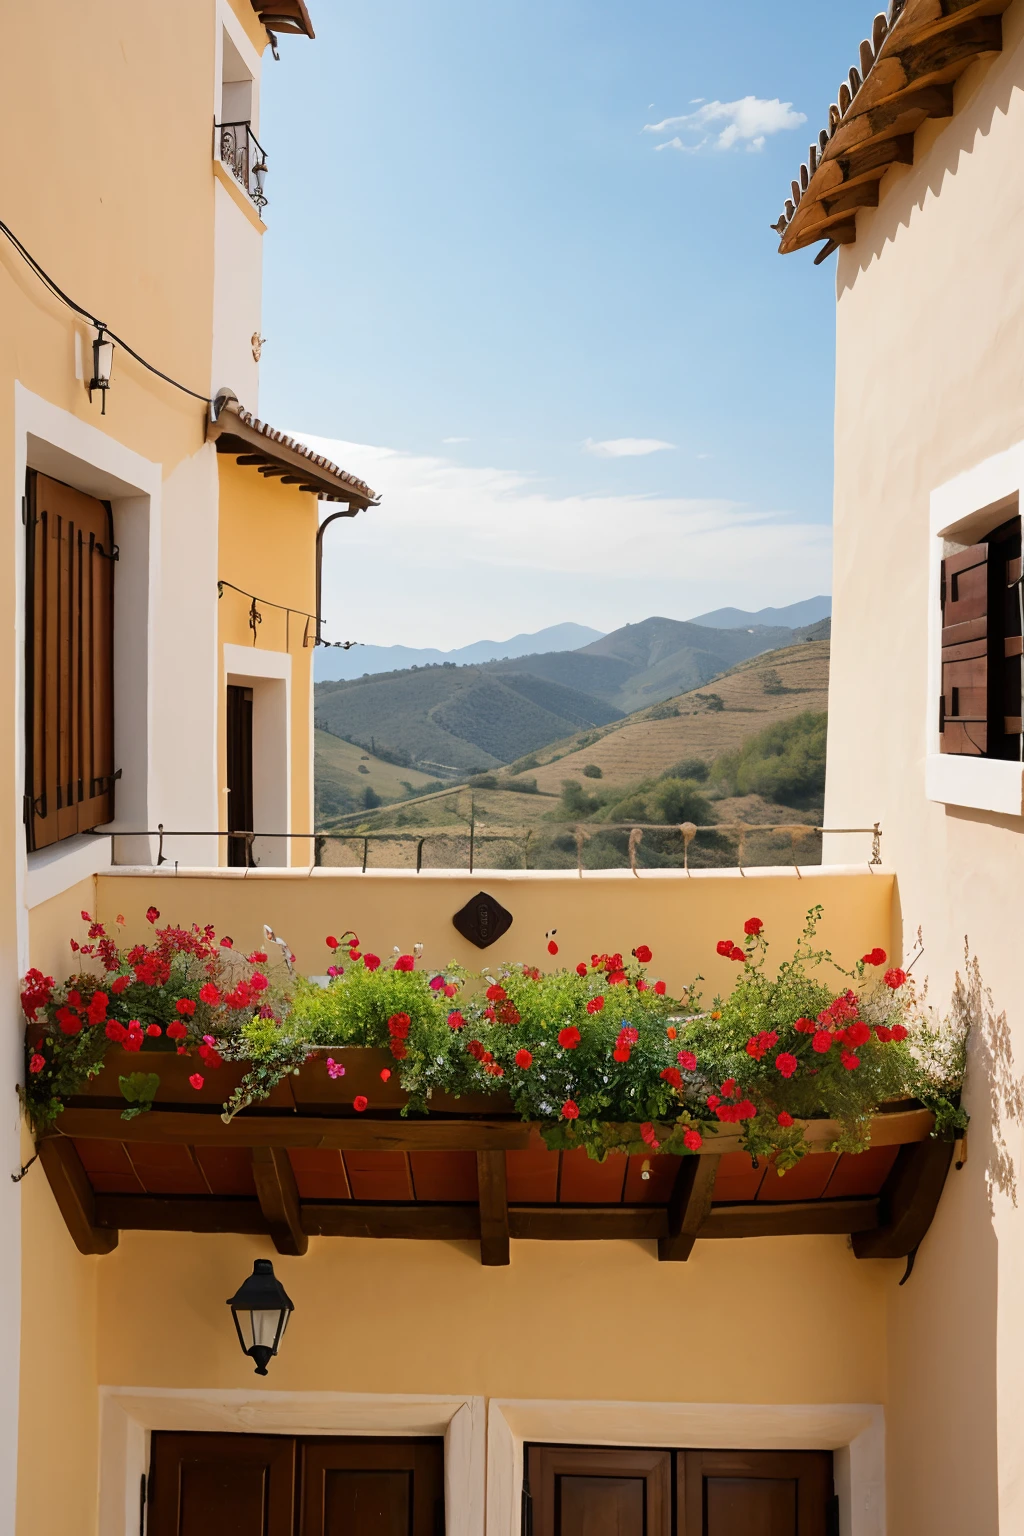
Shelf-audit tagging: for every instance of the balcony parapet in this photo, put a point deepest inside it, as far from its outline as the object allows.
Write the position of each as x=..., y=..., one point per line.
x=237, y=148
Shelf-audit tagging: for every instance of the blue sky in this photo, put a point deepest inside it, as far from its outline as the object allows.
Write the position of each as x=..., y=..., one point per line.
x=480, y=268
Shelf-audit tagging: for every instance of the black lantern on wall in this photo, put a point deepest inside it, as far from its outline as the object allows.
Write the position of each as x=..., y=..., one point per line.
x=261, y=1308
x=102, y=363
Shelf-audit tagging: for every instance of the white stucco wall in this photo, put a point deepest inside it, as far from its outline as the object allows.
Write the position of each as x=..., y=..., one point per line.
x=930, y=383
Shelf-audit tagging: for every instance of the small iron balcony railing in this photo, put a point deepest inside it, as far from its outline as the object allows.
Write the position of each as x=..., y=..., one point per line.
x=240, y=151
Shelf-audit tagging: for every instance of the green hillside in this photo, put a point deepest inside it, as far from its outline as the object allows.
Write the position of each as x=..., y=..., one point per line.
x=348, y=779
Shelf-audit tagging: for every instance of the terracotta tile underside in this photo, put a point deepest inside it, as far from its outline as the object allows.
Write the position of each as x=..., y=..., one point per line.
x=535, y=1175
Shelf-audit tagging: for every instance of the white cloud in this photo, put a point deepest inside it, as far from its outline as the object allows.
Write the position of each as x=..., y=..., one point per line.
x=455, y=439
x=625, y=447
x=454, y=554
x=747, y=123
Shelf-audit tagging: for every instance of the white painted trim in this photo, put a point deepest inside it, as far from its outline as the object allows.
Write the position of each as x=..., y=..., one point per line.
x=497, y=877
x=251, y=661
x=963, y=511
x=59, y=444
x=128, y=1415
x=854, y=1432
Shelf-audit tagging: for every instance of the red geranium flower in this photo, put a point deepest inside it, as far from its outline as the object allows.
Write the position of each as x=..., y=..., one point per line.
x=595, y=1004
x=899, y=1032
x=153, y=1031
x=713, y=1101
x=37, y=1063
x=884, y=1034
x=692, y=1140
x=385, y=1073
x=151, y=914
x=69, y=1021
x=687, y=1060
x=120, y=984
x=729, y=1087
x=371, y=962
x=209, y=994
x=895, y=978
x=621, y=1053
x=875, y=957
x=642, y=985
x=115, y=1031
x=629, y=1034
x=437, y=983
x=186, y=1007
x=661, y=988
x=858, y=1034
x=616, y=978
x=581, y=969
x=673, y=1077
x=644, y=954
x=359, y=1103
x=647, y=1135
x=752, y=927
x=850, y=1062
x=725, y=948
x=822, y=1042
x=805, y=1026
x=455, y=1019
x=786, y=1063
x=175, y=1031
x=737, y=954
x=496, y=994
x=570, y=1110
x=569, y=1038
x=399, y=1025
x=784, y=1118
x=451, y=989
x=332, y=942
x=524, y=1060
x=398, y=1050
x=552, y=947
x=405, y=963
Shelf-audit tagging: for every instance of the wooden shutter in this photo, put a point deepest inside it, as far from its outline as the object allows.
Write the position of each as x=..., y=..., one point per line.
x=964, y=709
x=221, y=1485
x=592, y=1491
x=69, y=601
x=370, y=1487
x=736, y=1493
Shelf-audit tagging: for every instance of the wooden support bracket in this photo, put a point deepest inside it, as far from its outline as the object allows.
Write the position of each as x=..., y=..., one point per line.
x=278, y=1195
x=74, y=1196
x=492, y=1181
x=909, y=1200
x=688, y=1207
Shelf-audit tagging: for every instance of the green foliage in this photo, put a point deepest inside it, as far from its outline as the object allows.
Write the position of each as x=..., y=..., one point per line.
x=576, y=803
x=370, y=798
x=520, y=786
x=483, y=781
x=771, y=682
x=711, y=701
x=139, y=1089
x=784, y=763
x=690, y=768
x=593, y=771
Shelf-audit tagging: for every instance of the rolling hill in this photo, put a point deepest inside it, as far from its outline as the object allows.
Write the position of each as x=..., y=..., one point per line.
x=333, y=665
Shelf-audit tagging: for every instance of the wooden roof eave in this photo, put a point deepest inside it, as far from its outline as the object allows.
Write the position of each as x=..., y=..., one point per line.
x=909, y=80
x=273, y=455
x=289, y=16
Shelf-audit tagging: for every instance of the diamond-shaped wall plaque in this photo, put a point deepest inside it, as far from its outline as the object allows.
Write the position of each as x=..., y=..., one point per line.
x=482, y=920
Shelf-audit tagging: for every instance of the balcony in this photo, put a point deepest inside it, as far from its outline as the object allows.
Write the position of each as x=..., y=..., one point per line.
x=303, y=1163
x=237, y=148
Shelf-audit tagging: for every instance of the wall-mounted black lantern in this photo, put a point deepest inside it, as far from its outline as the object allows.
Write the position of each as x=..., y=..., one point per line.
x=102, y=363
x=261, y=1308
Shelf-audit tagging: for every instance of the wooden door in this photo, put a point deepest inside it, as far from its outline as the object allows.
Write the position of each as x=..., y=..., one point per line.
x=368, y=1487
x=590, y=1491
x=239, y=745
x=221, y=1485
x=755, y=1493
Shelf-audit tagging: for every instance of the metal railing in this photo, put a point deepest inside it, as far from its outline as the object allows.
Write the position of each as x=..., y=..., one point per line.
x=237, y=148
x=580, y=846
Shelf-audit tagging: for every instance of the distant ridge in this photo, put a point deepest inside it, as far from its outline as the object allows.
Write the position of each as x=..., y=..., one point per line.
x=338, y=666
x=796, y=616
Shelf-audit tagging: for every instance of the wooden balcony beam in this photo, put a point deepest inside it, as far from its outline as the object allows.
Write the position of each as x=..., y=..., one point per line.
x=688, y=1207
x=278, y=1196
x=812, y=1218
x=74, y=1195
x=191, y=1128
x=492, y=1182
x=908, y=1202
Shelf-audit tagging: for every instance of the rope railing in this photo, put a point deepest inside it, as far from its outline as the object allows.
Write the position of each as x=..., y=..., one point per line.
x=475, y=836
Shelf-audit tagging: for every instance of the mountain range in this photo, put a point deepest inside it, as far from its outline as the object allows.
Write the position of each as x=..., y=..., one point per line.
x=365, y=660
x=444, y=717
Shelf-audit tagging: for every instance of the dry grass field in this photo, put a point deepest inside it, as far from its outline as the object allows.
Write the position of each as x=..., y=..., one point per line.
x=644, y=746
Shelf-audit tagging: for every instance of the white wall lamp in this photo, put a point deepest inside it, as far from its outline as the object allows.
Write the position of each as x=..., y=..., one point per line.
x=102, y=363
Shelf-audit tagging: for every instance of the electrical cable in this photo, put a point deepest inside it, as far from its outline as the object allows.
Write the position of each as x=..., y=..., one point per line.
x=58, y=292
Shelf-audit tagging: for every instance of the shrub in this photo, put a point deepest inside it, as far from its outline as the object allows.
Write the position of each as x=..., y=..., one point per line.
x=711, y=701
x=520, y=786
x=371, y=799
x=690, y=768
x=771, y=682
x=576, y=802
x=483, y=781
x=785, y=763
x=592, y=771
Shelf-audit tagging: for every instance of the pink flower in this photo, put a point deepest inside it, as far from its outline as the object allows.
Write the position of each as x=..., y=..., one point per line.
x=334, y=1068
x=437, y=984
x=196, y=1080
x=687, y=1060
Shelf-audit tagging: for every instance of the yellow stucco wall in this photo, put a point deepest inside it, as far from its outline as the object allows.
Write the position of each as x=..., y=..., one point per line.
x=929, y=383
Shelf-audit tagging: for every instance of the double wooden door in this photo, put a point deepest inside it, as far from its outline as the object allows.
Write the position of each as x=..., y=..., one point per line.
x=274, y=1485
x=589, y=1491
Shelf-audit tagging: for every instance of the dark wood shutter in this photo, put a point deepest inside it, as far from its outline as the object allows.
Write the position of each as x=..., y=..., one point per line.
x=592, y=1491
x=964, y=708
x=239, y=754
x=221, y=1485
x=1005, y=681
x=69, y=691
x=737, y=1493
x=371, y=1487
